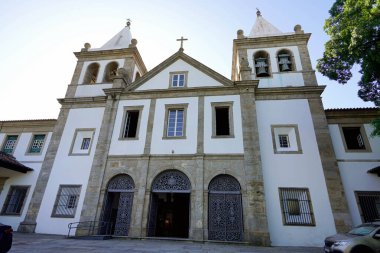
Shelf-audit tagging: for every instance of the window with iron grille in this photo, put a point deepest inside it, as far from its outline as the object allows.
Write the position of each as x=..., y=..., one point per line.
x=296, y=206
x=37, y=143
x=85, y=143
x=10, y=144
x=369, y=204
x=15, y=200
x=66, y=201
x=283, y=140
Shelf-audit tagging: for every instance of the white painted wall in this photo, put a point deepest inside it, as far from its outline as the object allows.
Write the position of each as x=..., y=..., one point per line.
x=195, y=77
x=92, y=90
x=102, y=67
x=223, y=145
x=353, y=167
x=69, y=170
x=130, y=146
x=293, y=170
x=278, y=79
x=180, y=146
x=20, y=179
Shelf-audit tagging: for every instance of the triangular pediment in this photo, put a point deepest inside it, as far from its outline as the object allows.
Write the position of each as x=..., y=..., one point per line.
x=197, y=74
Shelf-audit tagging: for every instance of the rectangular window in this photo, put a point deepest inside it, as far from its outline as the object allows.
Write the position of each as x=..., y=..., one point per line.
x=175, y=123
x=296, y=206
x=284, y=140
x=37, y=143
x=178, y=79
x=85, y=143
x=369, y=205
x=66, y=201
x=10, y=144
x=131, y=124
x=353, y=138
x=222, y=120
x=15, y=200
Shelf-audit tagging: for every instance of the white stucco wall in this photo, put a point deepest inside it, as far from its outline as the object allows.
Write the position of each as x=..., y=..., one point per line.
x=223, y=145
x=293, y=170
x=20, y=179
x=278, y=79
x=353, y=167
x=195, y=77
x=186, y=145
x=130, y=146
x=69, y=170
x=91, y=90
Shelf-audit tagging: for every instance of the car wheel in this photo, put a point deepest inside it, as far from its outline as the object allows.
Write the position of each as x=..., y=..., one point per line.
x=361, y=249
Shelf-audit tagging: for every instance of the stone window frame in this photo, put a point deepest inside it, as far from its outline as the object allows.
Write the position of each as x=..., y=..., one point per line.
x=171, y=74
x=305, y=214
x=292, y=60
x=8, y=198
x=363, y=133
x=28, y=150
x=139, y=108
x=228, y=104
x=77, y=130
x=268, y=62
x=106, y=75
x=58, y=198
x=182, y=106
x=5, y=142
x=276, y=147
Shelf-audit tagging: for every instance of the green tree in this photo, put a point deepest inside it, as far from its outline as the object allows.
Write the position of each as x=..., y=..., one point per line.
x=354, y=30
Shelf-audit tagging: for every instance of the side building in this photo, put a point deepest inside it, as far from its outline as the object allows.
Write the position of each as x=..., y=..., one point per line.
x=182, y=151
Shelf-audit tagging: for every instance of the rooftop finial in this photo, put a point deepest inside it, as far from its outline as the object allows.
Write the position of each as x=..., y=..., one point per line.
x=182, y=40
x=258, y=12
x=128, y=22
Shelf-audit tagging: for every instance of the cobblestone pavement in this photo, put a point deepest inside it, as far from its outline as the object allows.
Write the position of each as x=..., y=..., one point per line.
x=40, y=243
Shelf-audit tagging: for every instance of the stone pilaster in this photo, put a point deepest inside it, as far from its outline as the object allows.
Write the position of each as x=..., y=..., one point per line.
x=91, y=204
x=333, y=180
x=71, y=89
x=201, y=120
x=149, y=130
x=255, y=217
x=197, y=226
x=307, y=70
x=2, y=182
x=30, y=222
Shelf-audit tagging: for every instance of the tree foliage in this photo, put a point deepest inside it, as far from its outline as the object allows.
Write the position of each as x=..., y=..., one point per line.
x=354, y=30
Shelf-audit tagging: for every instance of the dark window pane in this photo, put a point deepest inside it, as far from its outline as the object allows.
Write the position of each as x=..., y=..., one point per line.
x=222, y=121
x=353, y=138
x=131, y=123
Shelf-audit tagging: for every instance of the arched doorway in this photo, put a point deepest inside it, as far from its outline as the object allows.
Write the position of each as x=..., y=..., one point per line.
x=170, y=205
x=225, y=215
x=118, y=207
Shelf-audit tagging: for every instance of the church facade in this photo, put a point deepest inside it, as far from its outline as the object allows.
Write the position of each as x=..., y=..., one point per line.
x=180, y=151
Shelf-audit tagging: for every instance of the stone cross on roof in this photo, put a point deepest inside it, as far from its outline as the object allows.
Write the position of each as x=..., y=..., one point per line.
x=181, y=39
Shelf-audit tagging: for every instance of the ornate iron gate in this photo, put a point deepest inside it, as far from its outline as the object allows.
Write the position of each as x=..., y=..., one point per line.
x=173, y=181
x=125, y=186
x=225, y=216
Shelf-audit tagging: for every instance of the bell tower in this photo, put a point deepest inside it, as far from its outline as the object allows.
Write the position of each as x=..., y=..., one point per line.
x=97, y=68
x=275, y=58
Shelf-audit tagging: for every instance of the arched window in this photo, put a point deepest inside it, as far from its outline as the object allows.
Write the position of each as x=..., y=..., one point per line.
x=91, y=73
x=285, y=60
x=110, y=72
x=262, y=64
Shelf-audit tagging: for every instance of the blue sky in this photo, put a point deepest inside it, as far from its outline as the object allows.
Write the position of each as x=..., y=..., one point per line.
x=39, y=36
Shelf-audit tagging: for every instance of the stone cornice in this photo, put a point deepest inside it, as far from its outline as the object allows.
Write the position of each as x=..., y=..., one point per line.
x=115, y=53
x=352, y=115
x=269, y=41
x=94, y=101
x=289, y=92
x=28, y=123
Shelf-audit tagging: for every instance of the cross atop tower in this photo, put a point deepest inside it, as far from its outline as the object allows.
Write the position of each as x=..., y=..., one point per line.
x=182, y=40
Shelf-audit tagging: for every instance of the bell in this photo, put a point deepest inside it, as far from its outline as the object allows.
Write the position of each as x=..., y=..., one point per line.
x=261, y=66
x=261, y=70
x=284, y=62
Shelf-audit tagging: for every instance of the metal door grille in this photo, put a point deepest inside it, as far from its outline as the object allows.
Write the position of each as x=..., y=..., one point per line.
x=225, y=216
x=369, y=203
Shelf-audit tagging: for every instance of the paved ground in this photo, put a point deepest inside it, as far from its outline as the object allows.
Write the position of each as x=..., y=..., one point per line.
x=38, y=243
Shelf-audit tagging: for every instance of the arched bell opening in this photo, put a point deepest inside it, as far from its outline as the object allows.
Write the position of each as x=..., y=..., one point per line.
x=110, y=72
x=118, y=205
x=262, y=64
x=285, y=60
x=169, y=211
x=225, y=213
x=91, y=73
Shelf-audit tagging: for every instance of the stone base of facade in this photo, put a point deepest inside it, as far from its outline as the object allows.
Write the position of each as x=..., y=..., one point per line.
x=27, y=227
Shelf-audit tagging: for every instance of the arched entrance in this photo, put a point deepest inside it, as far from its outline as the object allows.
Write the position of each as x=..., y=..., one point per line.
x=170, y=205
x=225, y=215
x=118, y=205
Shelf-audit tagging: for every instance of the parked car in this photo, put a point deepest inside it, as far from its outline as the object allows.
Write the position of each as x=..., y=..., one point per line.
x=362, y=239
x=5, y=238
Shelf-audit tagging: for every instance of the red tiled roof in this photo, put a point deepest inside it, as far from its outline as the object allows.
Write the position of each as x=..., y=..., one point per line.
x=9, y=162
